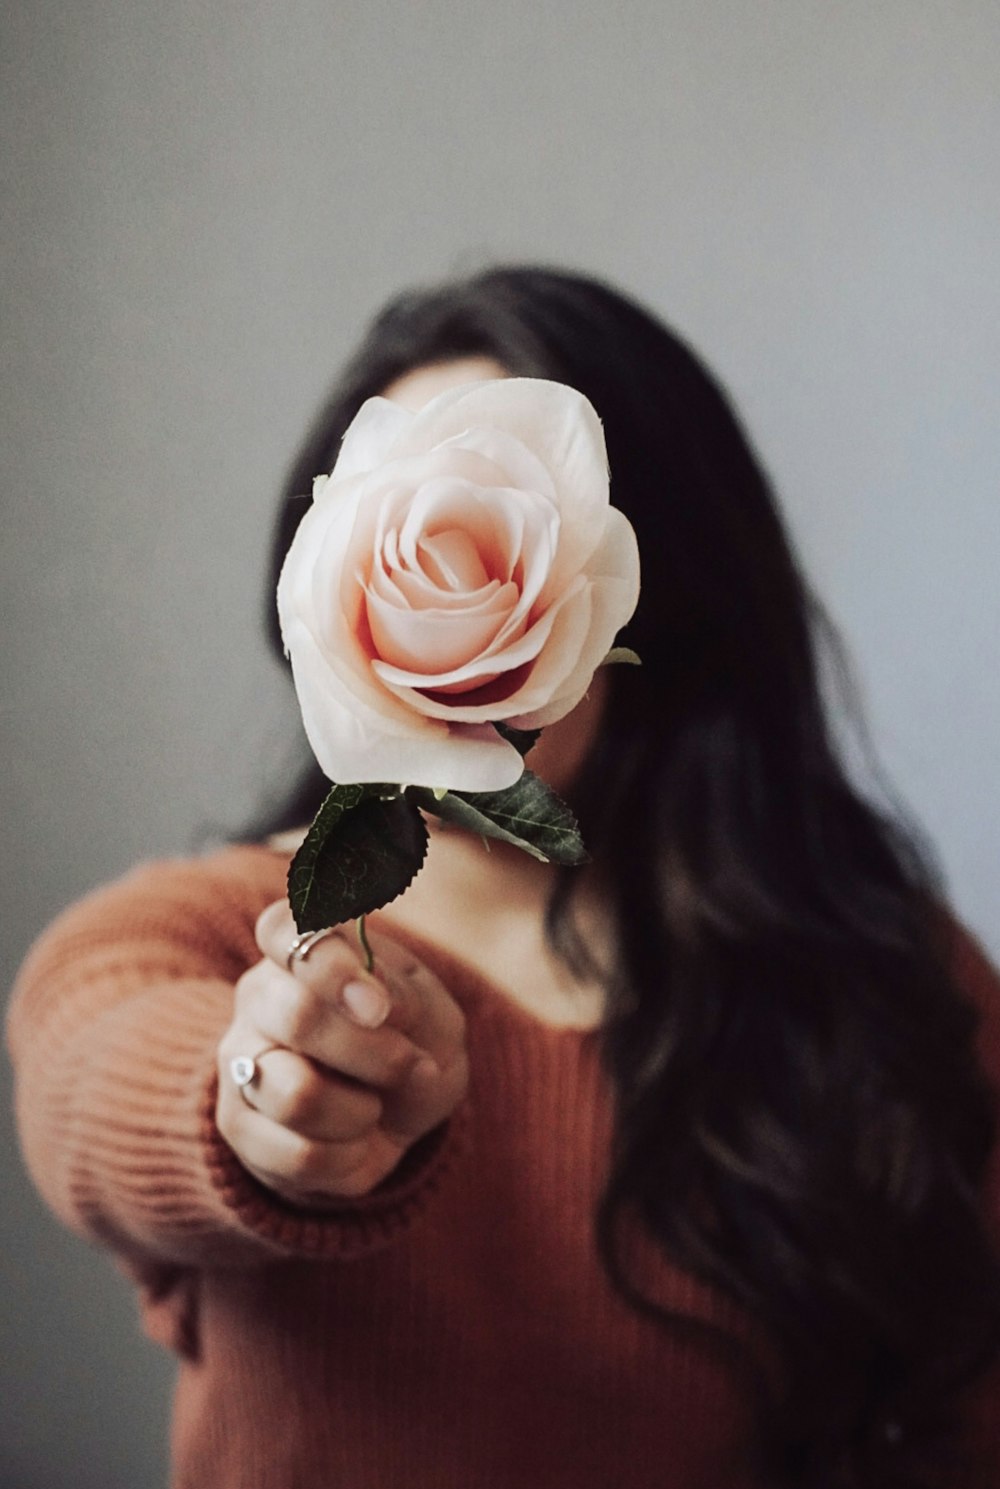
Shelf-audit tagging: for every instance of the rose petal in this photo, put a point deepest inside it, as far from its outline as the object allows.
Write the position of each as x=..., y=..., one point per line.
x=354, y=745
x=375, y=428
x=431, y=643
x=579, y=633
x=307, y=587
x=521, y=467
x=558, y=425
x=499, y=522
x=522, y=652
x=321, y=607
x=381, y=498
x=418, y=592
x=452, y=561
x=614, y=593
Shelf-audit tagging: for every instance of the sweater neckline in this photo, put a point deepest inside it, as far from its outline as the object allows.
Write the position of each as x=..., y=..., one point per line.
x=490, y=1000
x=475, y=987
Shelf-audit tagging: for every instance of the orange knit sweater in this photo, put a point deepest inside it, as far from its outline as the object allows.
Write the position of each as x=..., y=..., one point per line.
x=452, y=1331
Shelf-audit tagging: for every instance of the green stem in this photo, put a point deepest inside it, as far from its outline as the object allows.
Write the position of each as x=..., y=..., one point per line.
x=366, y=944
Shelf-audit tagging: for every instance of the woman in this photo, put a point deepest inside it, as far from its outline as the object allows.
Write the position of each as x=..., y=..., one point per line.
x=716, y=1210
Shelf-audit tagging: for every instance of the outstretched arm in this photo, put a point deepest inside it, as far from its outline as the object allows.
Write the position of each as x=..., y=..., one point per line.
x=115, y=1031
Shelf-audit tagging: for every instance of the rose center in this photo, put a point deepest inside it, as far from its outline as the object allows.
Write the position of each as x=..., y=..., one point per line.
x=452, y=561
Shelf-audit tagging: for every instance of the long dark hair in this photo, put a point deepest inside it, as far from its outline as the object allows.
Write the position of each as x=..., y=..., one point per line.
x=800, y=1117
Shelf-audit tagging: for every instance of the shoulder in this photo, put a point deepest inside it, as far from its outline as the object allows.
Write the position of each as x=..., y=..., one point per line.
x=238, y=876
x=237, y=879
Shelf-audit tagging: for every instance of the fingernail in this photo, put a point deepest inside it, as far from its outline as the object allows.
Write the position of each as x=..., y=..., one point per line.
x=366, y=1003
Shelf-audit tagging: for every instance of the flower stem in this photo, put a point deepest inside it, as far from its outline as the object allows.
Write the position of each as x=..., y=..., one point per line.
x=366, y=944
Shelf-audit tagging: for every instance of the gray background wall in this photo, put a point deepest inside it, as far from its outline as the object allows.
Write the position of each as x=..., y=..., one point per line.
x=202, y=205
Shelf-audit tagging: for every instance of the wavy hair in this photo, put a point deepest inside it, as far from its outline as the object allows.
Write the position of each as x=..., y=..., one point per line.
x=800, y=1116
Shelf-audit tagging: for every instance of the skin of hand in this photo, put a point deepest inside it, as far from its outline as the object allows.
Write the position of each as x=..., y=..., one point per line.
x=366, y=1064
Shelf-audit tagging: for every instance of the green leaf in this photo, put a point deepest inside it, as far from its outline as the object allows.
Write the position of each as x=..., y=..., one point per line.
x=364, y=847
x=622, y=654
x=521, y=739
x=528, y=814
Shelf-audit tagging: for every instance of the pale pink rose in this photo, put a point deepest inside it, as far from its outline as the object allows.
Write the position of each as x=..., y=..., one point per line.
x=459, y=566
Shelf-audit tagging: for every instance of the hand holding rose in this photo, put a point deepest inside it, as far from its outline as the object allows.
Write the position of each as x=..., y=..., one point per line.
x=359, y=1067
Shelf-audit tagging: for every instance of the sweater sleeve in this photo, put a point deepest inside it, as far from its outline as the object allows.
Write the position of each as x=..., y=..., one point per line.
x=113, y=1029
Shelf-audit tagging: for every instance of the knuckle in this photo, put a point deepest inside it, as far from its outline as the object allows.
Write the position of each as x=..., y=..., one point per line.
x=355, y=1175
x=250, y=985
x=293, y=1103
x=301, y=1013
x=234, y=1122
x=223, y=1113
x=430, y=1005
x=327, y=960
x=449, y=1091
x=305, y=1163
x=272, y=922
x=357, y=1111
x=356, y=1185
x=398, y=1061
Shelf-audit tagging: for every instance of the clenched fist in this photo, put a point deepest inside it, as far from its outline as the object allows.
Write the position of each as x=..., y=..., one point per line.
x=353, y=1068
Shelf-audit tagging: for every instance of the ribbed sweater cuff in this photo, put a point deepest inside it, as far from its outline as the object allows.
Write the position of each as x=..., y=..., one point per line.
x=352, y=1230
x=121, y=1136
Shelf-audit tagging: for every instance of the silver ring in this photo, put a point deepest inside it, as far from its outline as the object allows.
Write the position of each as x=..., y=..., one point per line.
x=245, y=1071
x=304, y=943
